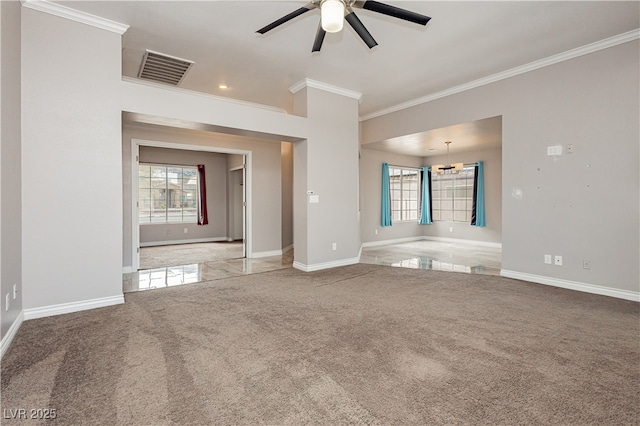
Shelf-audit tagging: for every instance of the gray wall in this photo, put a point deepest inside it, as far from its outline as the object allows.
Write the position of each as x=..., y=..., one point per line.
x=71, y=162
x=327, y=164
x=234, y=161
x=10, y=165
x=582, y=205
x=266, y=204
x=370, y=188
x=492, y=233
x=215, y=166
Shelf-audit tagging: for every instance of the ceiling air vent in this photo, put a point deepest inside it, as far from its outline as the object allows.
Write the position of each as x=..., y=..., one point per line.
x=163, y=68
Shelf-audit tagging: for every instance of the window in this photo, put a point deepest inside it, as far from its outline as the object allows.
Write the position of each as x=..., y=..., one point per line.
x=404, y=185
x=167, y=194
x=452, y=195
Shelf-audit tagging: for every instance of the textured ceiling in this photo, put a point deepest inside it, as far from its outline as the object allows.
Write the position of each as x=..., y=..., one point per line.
x=479, y=134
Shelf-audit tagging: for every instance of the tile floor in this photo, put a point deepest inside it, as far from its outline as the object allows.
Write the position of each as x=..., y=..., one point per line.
x=183, y=254
x=468, y=258
x=464, y=258
x=147, y=279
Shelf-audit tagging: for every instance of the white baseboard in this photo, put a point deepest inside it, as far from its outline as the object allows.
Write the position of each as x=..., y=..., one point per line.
x=299, y=266
x=573, y=285
x=128, y=269
x=189, y=241
x=462, y=241
x=392, y=241
x=326, y=265
x=257, y=254
x=66, y=308
x=11, y=333
x=270, y=253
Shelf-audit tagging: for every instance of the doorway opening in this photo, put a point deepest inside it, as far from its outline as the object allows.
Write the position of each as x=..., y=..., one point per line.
x=237, y=201
x=165, y=231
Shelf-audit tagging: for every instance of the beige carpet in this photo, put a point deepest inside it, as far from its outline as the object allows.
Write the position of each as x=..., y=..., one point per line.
x=362, y=344
x=187, y=254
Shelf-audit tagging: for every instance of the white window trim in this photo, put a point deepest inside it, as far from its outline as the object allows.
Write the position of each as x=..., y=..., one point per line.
x=465, y=168
x=167, y=166
x=418, y=210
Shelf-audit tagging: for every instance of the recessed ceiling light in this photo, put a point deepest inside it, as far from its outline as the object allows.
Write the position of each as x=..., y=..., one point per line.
x=223, y=86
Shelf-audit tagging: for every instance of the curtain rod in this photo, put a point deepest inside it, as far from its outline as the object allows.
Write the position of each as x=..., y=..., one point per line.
x=411, y=167
x=155, y=163
x=469, y=164
x=403, y=167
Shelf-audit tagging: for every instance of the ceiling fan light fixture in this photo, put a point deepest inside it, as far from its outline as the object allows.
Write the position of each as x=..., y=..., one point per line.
x=332, y=15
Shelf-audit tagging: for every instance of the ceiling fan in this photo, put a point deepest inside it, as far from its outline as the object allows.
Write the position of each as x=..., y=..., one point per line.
x=334, y=12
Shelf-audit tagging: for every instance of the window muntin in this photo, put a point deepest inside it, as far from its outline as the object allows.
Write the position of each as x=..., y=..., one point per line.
x=167, y=194
x=404, y=185
x=452, y=195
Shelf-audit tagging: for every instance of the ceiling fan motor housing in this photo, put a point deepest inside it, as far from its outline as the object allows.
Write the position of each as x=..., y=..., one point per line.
x=333, y=14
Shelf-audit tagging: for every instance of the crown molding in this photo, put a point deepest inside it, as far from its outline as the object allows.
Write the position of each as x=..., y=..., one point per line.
x=551, y=60
x=75, y=15
x=326, y=87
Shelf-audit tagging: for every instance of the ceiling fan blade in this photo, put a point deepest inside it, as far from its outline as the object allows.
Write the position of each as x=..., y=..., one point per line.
x=357, y=25
x=317, y=44
x=286, y=18
x=394, y=11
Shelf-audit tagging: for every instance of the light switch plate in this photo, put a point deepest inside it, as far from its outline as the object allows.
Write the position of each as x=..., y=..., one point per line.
x=554, y=150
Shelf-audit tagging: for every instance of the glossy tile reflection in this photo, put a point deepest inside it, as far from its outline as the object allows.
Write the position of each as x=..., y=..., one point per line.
x=464, y=258
x=440, y=256
x=167, y=277
x=157, y=257
x=149, y=279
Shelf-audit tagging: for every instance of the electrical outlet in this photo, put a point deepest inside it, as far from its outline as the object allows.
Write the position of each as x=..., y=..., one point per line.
x=547, y=259
x=15, y=291
x=376, y=231
x=6, y=302
x=451, y=229
x=586, y=264
x=558, y=260
x=334, y=246
x=186, y=230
